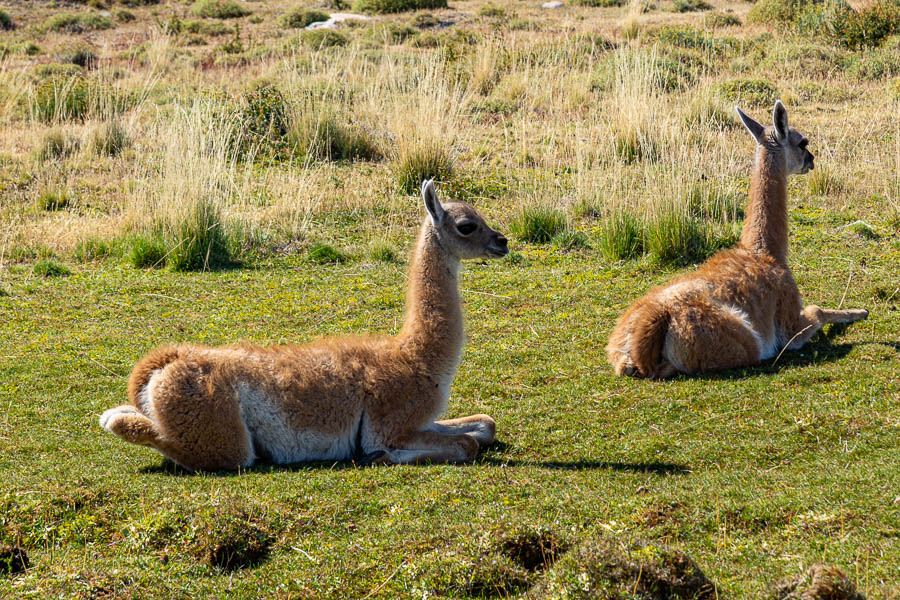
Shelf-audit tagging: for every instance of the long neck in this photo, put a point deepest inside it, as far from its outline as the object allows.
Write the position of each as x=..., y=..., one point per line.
x=433, y=328
x=766, y=227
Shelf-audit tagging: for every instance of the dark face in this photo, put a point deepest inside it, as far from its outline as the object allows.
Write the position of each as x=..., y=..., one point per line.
x=468, y=236
x=799, y=158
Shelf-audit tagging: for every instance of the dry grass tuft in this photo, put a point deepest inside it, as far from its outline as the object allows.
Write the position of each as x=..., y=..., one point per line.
x=819, y=582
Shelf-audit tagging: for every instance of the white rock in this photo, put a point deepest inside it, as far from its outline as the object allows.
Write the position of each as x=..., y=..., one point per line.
x=336, y=18
x=554, y=4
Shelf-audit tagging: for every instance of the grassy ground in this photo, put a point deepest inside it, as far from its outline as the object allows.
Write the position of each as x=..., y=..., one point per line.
x=755, y=474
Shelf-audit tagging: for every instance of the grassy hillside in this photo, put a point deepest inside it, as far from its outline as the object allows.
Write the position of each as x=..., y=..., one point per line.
x=213, y=173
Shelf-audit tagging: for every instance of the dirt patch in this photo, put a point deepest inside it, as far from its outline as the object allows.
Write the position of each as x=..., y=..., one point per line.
x=609, y=569
x=819, y=582
x=234, y=539
x=533, y=550
x=13, y=559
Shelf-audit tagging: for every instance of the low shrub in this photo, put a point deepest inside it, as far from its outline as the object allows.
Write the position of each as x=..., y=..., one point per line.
x=396, y=6
x=599, y=3
x=852, y=28
x=753, y=92
x=538, y=223
x=219, y=9
x=205, y=27
x=300, y=17
x=491, y=10
x=124, y=16
x=716, y=19
x=683, y=6
x=80, y=55
x=424, y=21
x=77, y=22
x=778, y=11
x=317, y=39
x=61, y=98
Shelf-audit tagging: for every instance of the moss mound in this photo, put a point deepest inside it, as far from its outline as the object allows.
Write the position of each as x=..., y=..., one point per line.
x=607, y=569
x=819, y=582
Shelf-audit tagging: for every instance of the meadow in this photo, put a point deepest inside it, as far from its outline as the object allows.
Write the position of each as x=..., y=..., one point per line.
x=214, y=172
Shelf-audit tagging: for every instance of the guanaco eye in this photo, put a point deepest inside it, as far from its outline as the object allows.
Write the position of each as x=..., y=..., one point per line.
x=466, y=228
x=803, y=144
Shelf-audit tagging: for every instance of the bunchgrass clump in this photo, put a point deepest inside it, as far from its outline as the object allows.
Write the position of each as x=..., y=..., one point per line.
x=492, y=10
x=673, y=237
x=198, y=239
x=77, y=22
x=396, y=6
x=50, y=268
x=220, y=9
x=146, y=251
x=6, y=22
x=383, y=251
x=599, y=3
x=108, y=138
x=538, y=223
x=300, y=17
x=823, y=182
x=621, y=235
x=321, y=135
x=323, y=254
x=421, y=159
x=56, y=143
x=863, y=230
x=82, y=56
x=53, y=199
x=570, y=239
x=92, y=248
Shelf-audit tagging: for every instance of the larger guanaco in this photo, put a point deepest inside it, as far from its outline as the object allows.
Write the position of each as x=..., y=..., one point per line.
x=373, y=398
x=742, y=305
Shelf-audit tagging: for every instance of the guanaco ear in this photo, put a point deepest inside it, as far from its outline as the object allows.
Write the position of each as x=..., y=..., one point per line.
x=779, y=118
x=432, y=204
x=755, y=129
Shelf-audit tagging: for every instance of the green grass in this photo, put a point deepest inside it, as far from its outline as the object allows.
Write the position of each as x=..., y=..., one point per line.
x=6, y=22
x=77, y=22
x=301, y=17
x=324, y=254
x=752, y=473
x=49, y=268
x=538, y=223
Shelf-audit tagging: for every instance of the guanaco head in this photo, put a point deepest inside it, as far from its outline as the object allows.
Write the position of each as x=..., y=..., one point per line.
x=781, y=138
x=460, y=229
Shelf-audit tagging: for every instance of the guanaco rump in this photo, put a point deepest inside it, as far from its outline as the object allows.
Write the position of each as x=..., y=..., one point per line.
x=742, y=305
x=374, y=398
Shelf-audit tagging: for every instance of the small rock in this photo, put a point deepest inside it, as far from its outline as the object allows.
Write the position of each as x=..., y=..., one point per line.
x=336, y=18
x=554, y=4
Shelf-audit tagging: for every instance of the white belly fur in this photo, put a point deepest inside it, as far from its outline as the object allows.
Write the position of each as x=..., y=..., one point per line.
x=269, y=428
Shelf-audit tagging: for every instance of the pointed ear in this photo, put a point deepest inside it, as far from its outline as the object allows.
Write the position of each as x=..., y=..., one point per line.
x=432, y=204
x=755, y=129
x=779, y=118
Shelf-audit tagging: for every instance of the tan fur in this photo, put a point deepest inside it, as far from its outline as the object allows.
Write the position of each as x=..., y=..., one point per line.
x=373, y=398
x=742, y=305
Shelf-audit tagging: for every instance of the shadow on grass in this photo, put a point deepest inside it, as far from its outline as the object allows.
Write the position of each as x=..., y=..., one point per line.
x=655, y=468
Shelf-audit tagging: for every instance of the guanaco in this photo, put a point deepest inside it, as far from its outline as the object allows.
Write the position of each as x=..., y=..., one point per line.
x=742, y=305
x=372, y=398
